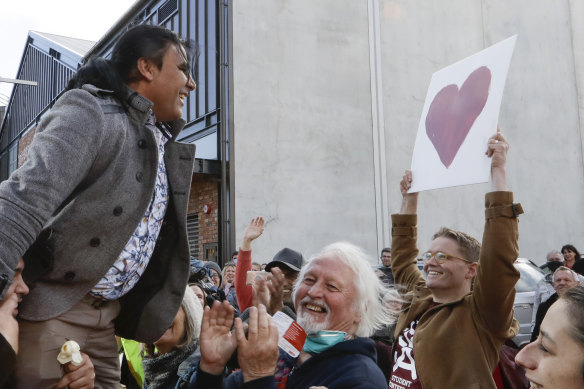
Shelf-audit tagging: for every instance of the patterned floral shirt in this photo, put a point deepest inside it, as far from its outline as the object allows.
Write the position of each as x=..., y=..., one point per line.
x=132, y=262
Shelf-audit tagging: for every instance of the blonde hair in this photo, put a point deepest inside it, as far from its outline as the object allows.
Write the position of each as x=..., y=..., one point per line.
x=469, y=246
x=193, y=311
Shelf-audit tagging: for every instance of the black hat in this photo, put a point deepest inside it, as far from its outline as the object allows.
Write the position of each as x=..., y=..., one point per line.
x=288, y=257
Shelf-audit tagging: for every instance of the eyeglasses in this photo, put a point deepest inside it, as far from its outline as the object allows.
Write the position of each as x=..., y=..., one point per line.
x=440, y=257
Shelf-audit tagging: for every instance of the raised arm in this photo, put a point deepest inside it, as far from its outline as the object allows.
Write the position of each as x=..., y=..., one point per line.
x=244, y=292
x=71, y=131
x=493, y=291
x=404, y=238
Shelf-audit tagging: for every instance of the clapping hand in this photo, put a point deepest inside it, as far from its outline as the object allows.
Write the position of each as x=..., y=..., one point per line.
x=258, y=353
x=217, y=341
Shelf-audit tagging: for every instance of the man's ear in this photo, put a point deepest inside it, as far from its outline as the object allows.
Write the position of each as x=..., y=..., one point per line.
x=471, y=270
x=146, y=68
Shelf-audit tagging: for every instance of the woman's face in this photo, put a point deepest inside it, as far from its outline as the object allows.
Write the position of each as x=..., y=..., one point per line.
x=554, y=360
x=173, y=334
x=569, y=255
x=199, y=293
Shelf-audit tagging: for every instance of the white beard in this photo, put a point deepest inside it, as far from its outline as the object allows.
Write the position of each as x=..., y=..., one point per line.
x=308, y=322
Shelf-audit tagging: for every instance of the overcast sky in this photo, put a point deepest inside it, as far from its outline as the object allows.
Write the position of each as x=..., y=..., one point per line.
x=74, y=18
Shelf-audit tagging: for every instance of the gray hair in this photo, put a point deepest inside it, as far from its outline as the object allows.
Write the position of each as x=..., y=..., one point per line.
x=552, y=253
x=369, y=302
x=564, y=268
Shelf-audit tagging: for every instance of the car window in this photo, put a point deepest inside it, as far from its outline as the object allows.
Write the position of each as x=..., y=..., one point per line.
x=530, y=275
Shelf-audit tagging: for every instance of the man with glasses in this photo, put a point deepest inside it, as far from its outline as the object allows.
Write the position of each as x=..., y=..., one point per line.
x=455, y=321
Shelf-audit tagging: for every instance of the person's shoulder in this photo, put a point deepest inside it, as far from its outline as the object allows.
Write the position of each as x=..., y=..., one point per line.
x=359, y=345
x=547, y=279
x=88, y=93
x=8, y=361
x=579, y=266
x=357, y=360
x=77, y=101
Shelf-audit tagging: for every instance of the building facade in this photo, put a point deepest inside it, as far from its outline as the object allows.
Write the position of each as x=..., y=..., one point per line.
x=201, y=23
x=306, y=113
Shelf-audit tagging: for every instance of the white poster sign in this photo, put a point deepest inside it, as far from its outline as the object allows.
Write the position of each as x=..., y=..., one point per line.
x=460, y=113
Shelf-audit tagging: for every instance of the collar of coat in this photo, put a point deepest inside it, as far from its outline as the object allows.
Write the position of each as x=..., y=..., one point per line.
x=141, y=104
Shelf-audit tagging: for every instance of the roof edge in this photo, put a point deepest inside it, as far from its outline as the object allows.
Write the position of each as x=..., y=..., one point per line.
x=118, y=25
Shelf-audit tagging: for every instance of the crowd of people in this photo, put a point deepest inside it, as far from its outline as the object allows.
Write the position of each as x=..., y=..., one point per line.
x=97, y=253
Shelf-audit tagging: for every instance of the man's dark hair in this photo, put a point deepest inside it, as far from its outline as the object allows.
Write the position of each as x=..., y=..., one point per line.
x=386, y=250
x=143, y=41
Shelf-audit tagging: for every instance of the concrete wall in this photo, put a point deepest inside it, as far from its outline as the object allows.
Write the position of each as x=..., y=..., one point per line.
x=302, y=113
x=307, y=117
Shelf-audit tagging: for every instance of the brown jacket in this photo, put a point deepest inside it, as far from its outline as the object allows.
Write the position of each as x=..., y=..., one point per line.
x=456, y=345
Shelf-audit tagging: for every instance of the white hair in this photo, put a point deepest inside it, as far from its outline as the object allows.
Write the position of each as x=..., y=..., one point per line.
x=369, y=301
x=553, y=252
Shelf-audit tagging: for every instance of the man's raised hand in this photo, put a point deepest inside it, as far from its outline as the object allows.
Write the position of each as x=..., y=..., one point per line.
x=497, y=150
x=410, y=200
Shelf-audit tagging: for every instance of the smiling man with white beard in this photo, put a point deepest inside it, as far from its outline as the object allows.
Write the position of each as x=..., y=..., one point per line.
x=339, y=303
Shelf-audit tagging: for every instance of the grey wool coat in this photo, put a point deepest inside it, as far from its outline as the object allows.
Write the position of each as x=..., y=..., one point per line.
x=72, y=207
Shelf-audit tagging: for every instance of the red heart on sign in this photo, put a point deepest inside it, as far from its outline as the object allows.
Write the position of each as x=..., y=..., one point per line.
x=453, y=112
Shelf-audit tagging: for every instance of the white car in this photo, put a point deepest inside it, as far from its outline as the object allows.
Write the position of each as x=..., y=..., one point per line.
x=530, y=274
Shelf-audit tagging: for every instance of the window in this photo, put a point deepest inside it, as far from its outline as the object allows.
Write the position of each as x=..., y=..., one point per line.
x=193, y=234
x=12, y=158
x=210, y=252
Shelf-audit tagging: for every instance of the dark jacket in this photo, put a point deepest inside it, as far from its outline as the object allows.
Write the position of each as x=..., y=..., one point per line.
x=387, y=277
x=541, y=311
x=8, y=363
x=87, y=182
x=579, y=266
x=347, y=365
